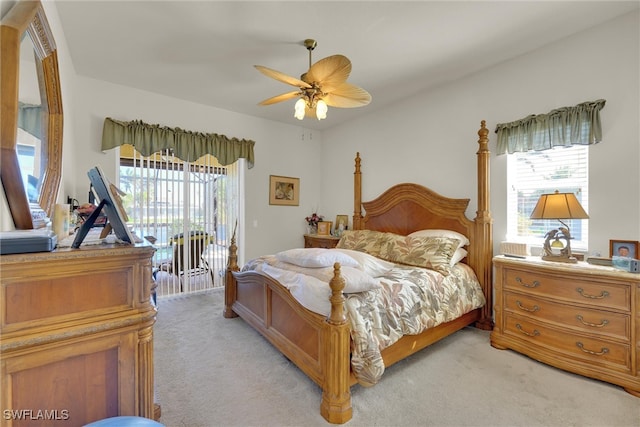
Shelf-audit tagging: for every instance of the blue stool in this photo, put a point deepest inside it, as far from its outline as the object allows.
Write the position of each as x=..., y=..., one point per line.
x=125, y=421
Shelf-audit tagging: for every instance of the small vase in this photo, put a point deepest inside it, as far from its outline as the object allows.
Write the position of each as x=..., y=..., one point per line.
x=312, y=229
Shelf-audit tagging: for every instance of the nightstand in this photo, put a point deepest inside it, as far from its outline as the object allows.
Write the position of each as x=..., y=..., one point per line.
x=317, y=241
x=578, y=317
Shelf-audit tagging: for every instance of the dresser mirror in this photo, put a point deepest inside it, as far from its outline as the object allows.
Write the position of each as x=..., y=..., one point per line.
x=31, y=115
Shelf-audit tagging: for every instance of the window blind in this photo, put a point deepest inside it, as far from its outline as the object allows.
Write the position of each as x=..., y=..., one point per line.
x=168, y=199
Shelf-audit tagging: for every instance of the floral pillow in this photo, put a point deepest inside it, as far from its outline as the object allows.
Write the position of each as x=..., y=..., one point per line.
x=464, y=240
x=367, y=241
x=433, y=252
x=460, y=252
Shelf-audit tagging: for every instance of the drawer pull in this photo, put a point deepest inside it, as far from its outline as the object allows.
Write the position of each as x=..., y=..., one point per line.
x=535, y=283
x=593, y=325
x=530, y=310
x=603, y=294
x=603, y=350
x=534, y=334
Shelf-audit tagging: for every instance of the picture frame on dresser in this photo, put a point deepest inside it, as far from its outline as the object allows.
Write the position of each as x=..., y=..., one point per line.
x=284, y=190
x=342, y=220
x=624, y=248
x=324, y=228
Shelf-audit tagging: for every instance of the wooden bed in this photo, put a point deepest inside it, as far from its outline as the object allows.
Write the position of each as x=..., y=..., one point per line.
x=320, y=346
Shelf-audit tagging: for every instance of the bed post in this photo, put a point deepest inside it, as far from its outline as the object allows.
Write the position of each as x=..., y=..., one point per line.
x=483, y=229
x=336, y=389
x=229, y=280
x=357, y=195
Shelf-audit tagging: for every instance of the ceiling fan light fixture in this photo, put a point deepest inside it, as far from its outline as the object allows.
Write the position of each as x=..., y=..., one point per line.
x=321, y=109
x=323, y=85
x=299, y=109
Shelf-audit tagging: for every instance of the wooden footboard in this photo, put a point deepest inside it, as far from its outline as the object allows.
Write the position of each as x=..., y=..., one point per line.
x=319, y=346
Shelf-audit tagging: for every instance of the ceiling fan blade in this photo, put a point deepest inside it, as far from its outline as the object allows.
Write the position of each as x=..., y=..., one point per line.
x=347, y=96
x=280, y=98
x=330, y=72
x=282, y=77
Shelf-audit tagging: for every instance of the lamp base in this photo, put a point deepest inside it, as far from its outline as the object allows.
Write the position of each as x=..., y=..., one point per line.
x=560, y=258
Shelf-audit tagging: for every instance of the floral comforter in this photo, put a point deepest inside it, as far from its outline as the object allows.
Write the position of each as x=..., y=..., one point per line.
x=408, y=301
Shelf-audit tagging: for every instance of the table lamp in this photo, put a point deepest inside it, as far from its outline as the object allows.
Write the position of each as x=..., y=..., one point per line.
x=558, y=206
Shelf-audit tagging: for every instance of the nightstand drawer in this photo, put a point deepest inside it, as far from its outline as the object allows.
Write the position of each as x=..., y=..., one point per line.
x=589, y=320
x=318, y=241
x=599, y=294
x=577, y=347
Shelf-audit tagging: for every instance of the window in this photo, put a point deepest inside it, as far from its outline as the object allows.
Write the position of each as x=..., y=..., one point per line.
x=533, y=173
x=548, y=152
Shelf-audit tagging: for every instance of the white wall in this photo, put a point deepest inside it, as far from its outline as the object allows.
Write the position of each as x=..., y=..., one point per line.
x=431, y=138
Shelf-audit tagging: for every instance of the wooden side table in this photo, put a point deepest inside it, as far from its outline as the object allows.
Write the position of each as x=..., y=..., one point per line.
x=317, y=241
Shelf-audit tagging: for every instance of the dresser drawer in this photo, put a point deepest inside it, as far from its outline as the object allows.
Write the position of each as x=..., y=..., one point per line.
x=597, y=352
x=588, y=292
x=589, y=320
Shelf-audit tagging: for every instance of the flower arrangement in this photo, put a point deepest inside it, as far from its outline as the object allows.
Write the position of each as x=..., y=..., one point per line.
x=314, y=219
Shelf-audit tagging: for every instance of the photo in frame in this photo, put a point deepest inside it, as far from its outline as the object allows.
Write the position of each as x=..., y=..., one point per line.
x=623, y=248
x=284, y=190
x=324, y=228
x=342, y=220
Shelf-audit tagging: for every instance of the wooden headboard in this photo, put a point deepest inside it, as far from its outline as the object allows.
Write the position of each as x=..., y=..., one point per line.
x=405, y=208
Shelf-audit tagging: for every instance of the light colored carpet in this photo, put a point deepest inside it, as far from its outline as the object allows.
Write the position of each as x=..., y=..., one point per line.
x=212, y=371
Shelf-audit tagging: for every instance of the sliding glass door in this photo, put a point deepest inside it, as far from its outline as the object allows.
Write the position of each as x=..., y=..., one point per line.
x=187, y=209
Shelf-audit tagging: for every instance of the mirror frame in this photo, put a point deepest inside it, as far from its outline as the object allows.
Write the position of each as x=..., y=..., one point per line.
x=29, y=17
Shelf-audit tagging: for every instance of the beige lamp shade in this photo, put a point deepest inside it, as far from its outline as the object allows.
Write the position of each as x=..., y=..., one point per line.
x=558, y=206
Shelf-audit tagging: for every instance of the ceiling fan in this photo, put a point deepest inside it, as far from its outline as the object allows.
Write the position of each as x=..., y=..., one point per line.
x=324, y=84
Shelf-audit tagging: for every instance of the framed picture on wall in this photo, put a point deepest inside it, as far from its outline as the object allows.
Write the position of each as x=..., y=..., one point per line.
x=324, y=228
x=284, y=190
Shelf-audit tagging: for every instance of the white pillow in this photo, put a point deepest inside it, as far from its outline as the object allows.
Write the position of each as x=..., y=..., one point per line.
x=374, y=267
x=355, y=279
x=458, y=255
x=464, y=240
x=316, y=257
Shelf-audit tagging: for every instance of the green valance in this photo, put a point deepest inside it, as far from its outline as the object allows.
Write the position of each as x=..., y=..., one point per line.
x=185, y=145
x=560, y=127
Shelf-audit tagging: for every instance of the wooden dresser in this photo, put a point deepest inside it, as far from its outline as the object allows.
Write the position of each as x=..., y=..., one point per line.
x=578, y=317
x=317, y=241
x=76, y=335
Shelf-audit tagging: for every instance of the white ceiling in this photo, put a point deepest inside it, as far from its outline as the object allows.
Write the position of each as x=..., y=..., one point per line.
x=204, y=51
